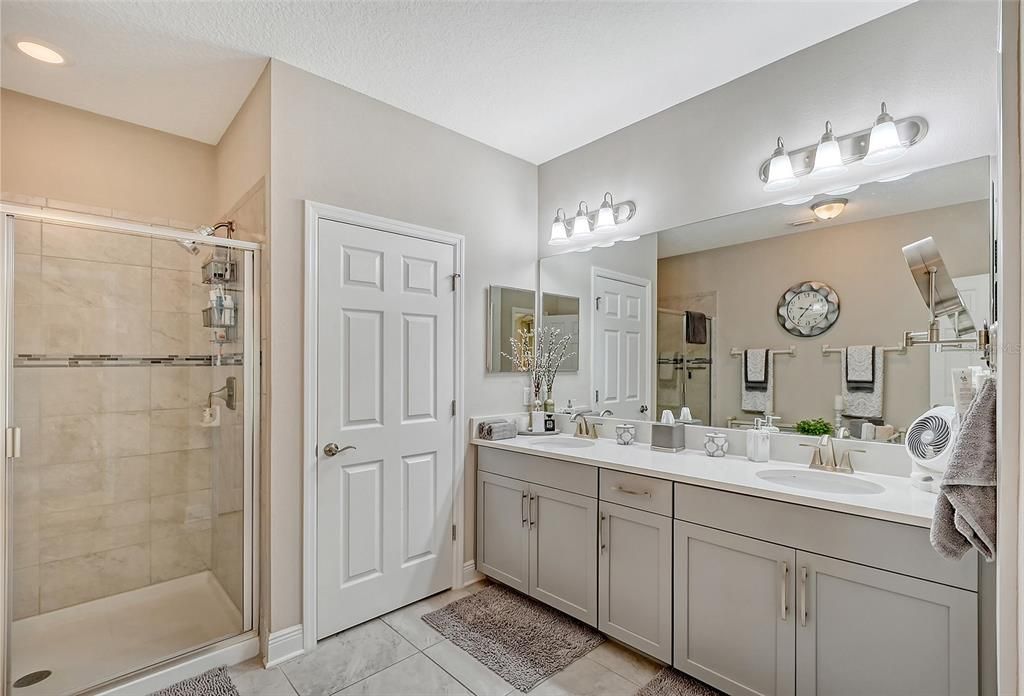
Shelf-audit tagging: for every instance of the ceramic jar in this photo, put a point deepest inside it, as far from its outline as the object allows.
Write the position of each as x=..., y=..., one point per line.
x=716, y=444
x=625, y=434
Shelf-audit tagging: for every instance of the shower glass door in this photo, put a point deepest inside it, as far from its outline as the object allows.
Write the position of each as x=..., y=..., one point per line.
x=131, y=497
x=683, y=369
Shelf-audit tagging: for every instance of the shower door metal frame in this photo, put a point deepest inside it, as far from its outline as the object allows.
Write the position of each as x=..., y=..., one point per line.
x=252, y=366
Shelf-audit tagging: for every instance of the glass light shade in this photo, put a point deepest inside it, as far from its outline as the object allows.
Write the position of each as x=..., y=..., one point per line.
x=895, y=177
x=884, y=144
x=581, y=223
x=830, y=209
x=630, y=239
x=605, y=245
x=606, y=215
x=559, y=236
x=780, y=171
x=828, y=161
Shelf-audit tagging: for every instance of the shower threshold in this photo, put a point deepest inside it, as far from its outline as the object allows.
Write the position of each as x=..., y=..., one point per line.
x=88, y=644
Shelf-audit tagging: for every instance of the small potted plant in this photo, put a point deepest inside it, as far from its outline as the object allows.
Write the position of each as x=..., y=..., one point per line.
x=816, y=427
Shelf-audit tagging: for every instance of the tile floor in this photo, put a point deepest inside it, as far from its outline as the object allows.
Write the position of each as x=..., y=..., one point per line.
x=400, y=655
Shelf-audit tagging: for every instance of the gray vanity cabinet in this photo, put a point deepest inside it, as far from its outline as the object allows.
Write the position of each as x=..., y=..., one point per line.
x=563, y=551
x=735, y=626
x=635, y=581
x=867, y=631
x=503, y=537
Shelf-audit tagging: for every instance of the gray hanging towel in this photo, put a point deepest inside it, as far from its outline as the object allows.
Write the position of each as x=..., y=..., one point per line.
x=696, y=328
x=965, y=512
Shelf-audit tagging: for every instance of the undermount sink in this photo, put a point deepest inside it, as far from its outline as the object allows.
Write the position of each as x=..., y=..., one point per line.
x=822, y=481
x=563, y=443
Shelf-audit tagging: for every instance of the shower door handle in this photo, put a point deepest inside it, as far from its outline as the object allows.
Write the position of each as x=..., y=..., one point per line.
x=331, y=449
x=13, y=444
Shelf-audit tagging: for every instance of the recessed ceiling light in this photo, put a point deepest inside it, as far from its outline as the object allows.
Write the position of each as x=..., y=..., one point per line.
x=40, y=52
x=798, y=201
x=829, y=209
x=887, y=179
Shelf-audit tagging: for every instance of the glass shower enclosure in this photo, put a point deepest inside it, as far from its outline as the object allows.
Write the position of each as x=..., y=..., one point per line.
x=684, y=368
x=131, y=406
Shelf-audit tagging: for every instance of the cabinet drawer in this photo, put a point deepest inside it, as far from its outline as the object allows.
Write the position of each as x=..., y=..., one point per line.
x=565, y=476
x=641, y=492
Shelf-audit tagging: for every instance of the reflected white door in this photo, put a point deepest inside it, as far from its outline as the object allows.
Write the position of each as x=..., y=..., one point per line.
x=974, y=291
x=385, y=381
x=621, y=346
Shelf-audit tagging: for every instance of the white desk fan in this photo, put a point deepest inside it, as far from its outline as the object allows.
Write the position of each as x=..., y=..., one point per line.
x=929, y=442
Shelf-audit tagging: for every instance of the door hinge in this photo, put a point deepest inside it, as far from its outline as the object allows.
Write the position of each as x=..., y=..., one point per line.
x=12, y=447
x=454, y=536
x=455, y=277
x=597, y=399
x=453, y=407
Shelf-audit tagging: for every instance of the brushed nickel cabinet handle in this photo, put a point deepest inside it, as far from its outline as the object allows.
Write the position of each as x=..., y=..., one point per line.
x=332, y=449
x=627, y=491
x=803, y=595
x=783, y=592
x=522, y=509
x=533, y=516
x=600, y=531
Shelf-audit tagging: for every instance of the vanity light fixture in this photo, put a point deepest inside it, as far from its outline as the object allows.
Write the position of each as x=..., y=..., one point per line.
x=828, y=160
x=606, y=215
x=884, y=144
x=843, y=190
x=581, y=223
x=884, y=141
x=780, y=170
x=829, y=209
x=798, y=201
x=40, y=52
x=559, y=235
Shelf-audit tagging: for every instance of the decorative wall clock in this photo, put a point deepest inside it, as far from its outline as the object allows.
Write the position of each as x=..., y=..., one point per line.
x=808, y=309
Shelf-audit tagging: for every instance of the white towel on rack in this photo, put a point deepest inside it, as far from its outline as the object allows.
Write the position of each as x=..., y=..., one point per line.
x=860, y=401
x=757, y=400
x=666, y=366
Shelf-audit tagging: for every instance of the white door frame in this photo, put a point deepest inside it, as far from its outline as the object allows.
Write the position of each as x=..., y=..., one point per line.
x=648, y=365
x=314, y=213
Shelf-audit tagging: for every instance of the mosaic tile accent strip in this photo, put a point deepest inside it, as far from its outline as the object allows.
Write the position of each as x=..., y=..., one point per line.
x=34, y=360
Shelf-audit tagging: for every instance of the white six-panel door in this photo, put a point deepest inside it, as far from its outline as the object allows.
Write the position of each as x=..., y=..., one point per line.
x=621, y=347
x=385, y=389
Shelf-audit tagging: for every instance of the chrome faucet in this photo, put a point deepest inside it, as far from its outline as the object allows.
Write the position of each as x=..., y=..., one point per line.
x=583, y=428
x=824, y=457
x=606, y=412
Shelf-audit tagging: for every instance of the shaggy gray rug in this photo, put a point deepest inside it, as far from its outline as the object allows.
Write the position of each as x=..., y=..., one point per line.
x=519, y=639
x=214, y=682
x=669, y=682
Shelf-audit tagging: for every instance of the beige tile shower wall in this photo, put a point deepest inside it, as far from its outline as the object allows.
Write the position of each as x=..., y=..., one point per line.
x=114, y=490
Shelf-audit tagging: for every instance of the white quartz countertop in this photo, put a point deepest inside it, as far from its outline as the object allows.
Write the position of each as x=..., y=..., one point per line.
x=898, y=501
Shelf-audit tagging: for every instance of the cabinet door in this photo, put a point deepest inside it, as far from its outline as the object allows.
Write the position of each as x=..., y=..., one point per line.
x=734, y=624
x=867, y=631
x=563, y=551
x=503, y=540
x=635, y=581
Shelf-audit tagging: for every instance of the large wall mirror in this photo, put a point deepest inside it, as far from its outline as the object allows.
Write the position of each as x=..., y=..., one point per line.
x=777, y=310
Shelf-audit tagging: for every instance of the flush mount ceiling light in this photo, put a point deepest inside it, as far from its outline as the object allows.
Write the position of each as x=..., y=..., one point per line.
x=829, y=209
x=884, y=144
x=584, y=223
x=798, y=201
x=780, y=170
x=40, y=52
x=606, y=215
x=886, y=140
x=828, y=160
x=559, y=235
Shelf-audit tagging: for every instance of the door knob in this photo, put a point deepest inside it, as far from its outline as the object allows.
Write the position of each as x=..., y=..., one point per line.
x=331, y=449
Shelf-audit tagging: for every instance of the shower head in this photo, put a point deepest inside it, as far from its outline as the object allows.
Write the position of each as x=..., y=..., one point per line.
x=189, y=246
x=210, y=230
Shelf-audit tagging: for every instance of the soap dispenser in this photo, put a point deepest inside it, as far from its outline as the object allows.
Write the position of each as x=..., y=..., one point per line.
x=759, y=441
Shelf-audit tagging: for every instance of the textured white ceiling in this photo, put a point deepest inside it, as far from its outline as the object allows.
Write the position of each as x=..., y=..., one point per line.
x=534, y=79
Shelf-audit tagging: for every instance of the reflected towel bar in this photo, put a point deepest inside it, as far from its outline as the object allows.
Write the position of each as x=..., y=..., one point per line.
x=736, y=352
x=826, y=349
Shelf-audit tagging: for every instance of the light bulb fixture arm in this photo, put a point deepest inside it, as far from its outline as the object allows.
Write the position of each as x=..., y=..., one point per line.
x=852, y=146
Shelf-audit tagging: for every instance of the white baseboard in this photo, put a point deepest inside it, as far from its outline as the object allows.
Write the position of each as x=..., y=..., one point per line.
x=470, y=574
x=284, y=645
x=233, y=654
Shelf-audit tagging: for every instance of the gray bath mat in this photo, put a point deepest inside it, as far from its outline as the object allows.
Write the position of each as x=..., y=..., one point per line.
x=520, y=640
x=214, y=682
x=669, y=682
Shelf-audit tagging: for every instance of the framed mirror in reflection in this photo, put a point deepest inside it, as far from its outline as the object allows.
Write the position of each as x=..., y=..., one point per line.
x=732, y=276
x=510, y=317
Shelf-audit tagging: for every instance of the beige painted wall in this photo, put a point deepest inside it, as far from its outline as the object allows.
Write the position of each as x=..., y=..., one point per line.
x=332, y=145
x=878, y=302
x=58, y=152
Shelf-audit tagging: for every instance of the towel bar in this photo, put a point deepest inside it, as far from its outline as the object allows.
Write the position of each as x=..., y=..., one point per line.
x=736, y=352
x=826, y=349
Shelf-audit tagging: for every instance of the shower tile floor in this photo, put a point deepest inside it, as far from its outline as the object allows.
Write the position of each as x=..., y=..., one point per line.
x=400, y=655
x=90, y=643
